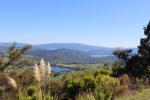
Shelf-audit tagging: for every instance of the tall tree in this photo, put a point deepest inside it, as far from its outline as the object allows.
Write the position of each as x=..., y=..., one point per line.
x=144, y=48
x=137, y=65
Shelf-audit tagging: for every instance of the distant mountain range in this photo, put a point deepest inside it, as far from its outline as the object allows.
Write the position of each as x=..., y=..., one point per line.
x=92, y=50
x=68, y=52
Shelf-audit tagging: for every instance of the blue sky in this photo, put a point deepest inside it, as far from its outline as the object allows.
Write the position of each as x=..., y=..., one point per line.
x=109, y=23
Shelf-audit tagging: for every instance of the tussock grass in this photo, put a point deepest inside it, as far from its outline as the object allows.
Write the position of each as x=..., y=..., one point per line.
x=140, y=95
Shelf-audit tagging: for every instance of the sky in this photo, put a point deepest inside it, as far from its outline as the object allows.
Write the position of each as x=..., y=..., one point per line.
x=108, y=23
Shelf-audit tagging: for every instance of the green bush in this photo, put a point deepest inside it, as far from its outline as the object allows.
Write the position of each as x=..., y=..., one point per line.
x=90, y=83
x=86, y=96
x=31, y=91
x=94, y=84
x=102, y=71
x=99, y=82
x=74, y=86
x=107, y=85
x=100, y=95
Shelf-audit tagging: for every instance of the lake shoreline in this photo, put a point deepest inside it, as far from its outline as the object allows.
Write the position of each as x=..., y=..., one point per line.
x=64, y=66
x=59, y=69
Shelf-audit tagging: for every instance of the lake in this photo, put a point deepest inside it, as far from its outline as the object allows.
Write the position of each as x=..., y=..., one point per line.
x=57, y=69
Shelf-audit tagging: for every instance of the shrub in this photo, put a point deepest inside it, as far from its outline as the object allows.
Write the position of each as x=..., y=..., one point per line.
x=90, y=83
x=99, y=82
x=85, y=96
x=102, y=71
x=31, y=91
x=139, y=84
x=108, y=85
x=74, y=86
x=100, y=95
x=56, y=87
x=125, y=84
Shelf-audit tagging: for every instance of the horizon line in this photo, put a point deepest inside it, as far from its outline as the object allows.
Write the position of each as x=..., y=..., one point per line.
x=68, y=43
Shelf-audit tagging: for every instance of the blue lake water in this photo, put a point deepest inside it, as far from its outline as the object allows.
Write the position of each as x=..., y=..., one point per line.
x=57, y=69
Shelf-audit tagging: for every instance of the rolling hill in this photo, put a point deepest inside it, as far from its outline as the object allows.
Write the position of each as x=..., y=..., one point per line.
x=67, y=52
x=91, y=50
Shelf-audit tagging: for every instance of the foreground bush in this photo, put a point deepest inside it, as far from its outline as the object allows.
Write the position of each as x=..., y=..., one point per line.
x=102, y=85
x=85, y=96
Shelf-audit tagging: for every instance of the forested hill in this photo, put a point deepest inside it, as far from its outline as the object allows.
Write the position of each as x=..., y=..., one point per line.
x=67, y=52
x=67, y=56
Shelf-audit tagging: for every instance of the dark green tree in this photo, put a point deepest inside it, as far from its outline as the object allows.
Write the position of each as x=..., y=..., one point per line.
x=123, y=55
x=144, y=48
x=137, y=65
x=144, y=51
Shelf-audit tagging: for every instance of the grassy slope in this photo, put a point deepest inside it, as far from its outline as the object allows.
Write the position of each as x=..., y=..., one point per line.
x=144, y=95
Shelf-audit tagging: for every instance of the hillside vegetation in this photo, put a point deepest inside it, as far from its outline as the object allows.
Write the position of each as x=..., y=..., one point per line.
x=128, y=77
x=62, y=55
x=140, y=95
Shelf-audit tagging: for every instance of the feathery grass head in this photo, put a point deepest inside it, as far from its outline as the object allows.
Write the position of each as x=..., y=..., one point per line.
x=42, y=63
x=37, y=74
x=48, y=64
x=48, y=68
x=11, y=82
x=42, y=68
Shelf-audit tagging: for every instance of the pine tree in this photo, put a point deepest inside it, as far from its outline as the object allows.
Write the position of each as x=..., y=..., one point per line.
x=137, y=65
x=144, y=48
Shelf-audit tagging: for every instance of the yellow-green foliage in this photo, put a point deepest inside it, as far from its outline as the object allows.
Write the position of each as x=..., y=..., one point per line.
x=109, y=83
x=99, y=82
x=102, y=71
x=95, y=84
x=85, y=96
x=107, y=86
